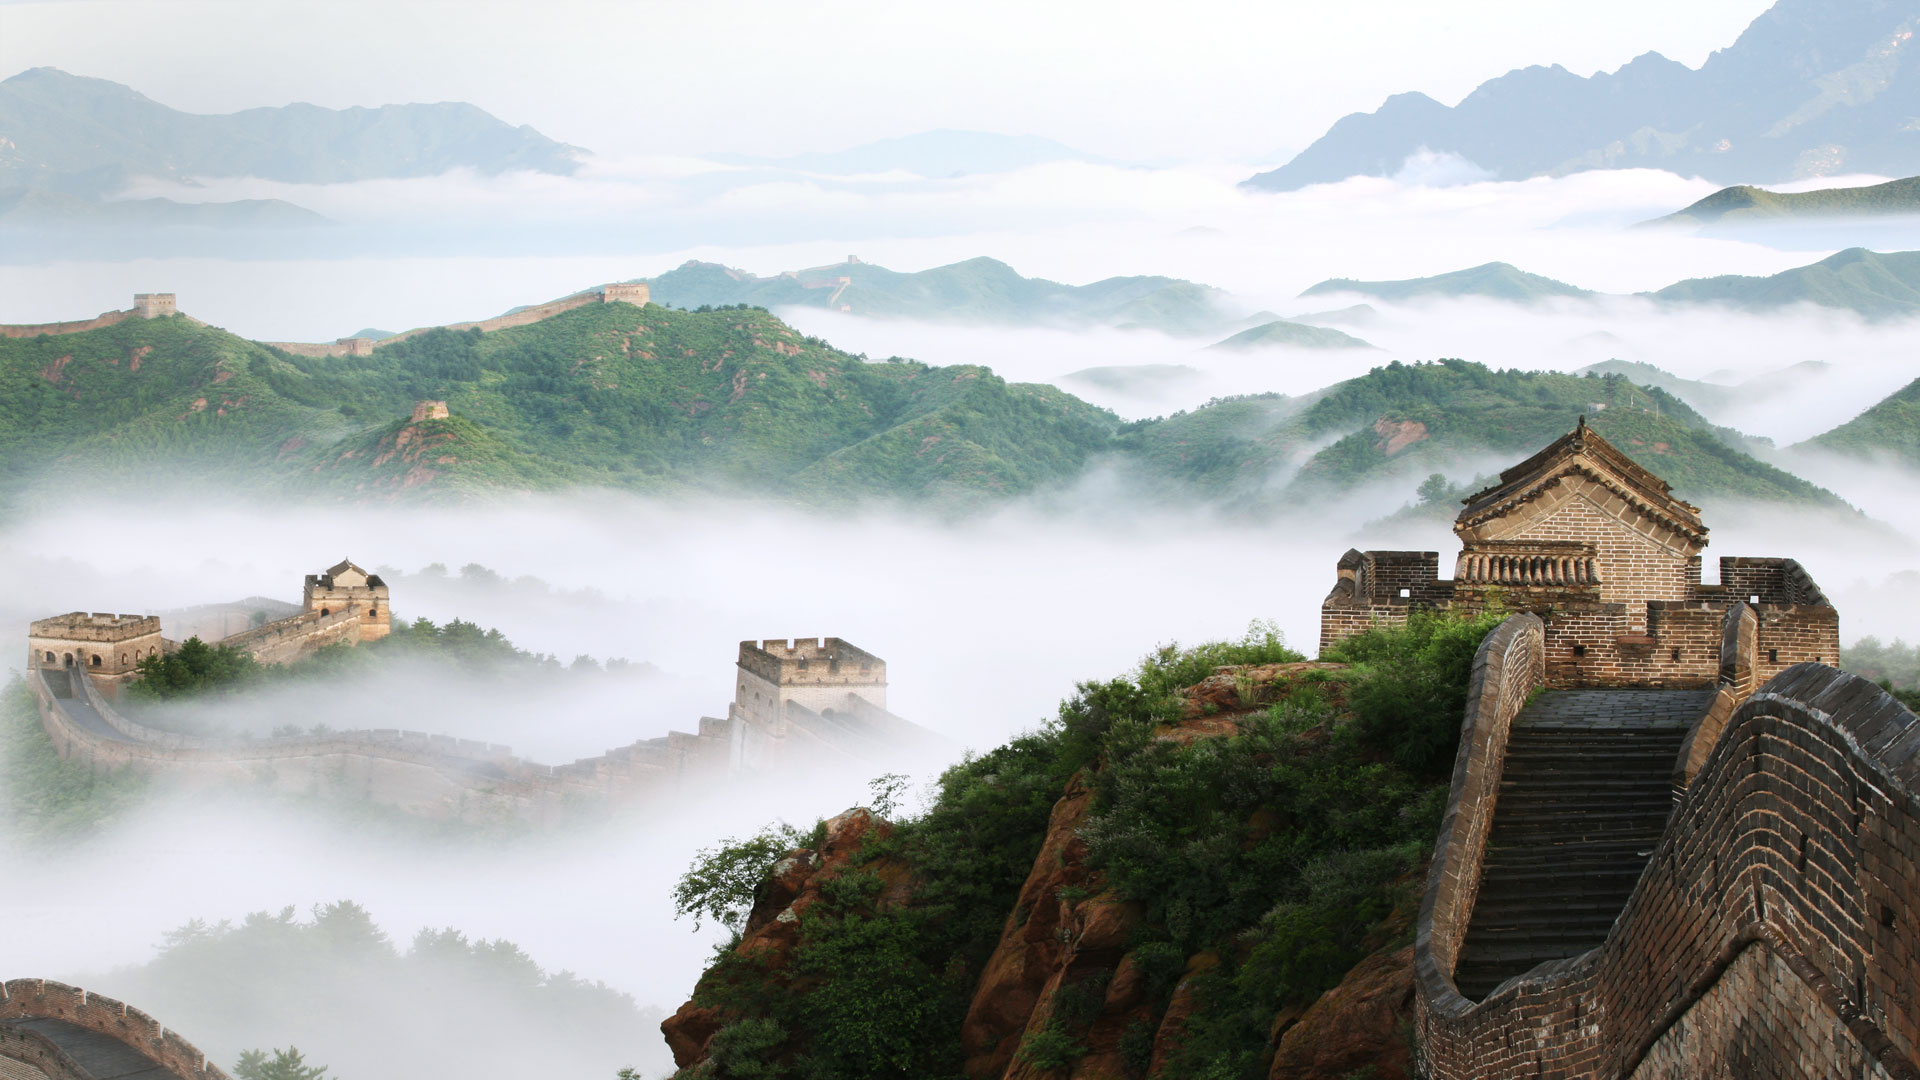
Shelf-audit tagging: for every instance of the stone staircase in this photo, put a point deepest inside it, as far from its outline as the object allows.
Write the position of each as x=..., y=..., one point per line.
x=1584, y=795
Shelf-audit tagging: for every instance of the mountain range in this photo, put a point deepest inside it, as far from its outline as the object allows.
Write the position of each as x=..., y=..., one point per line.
x=1743, y=204
x=976, y=290
x=1876, y=285
x=1811, y=88
x=69, y=143
x=734, y=402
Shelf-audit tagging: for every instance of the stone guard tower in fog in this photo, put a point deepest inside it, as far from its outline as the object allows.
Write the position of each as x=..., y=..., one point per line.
x=155, y=305
x=1603, y=552
x=807, y=676
x=108, y=646
x=347, y=588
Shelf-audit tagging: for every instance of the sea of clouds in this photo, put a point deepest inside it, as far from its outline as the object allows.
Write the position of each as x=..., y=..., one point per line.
x=985, y=623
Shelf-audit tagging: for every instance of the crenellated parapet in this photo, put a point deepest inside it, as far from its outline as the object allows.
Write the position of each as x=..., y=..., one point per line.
x=43, y=1024
x=1773, y=931
x=1610, y=560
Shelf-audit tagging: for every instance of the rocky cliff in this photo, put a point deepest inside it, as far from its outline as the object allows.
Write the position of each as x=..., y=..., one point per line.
x=1084, y=979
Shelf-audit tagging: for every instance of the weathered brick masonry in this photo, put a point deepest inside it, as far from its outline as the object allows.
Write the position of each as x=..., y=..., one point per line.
x=798, y=702
x=1604, y=553
x=34, y=1014
x=1773, y=934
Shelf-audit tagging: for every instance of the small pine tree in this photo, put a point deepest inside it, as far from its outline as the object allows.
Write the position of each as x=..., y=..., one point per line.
x=283, y=1065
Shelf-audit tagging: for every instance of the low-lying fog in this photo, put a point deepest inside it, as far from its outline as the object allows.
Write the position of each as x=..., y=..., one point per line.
x=985, y=626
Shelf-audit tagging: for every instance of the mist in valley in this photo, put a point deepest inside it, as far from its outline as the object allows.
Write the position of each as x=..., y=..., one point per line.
x=986, y=617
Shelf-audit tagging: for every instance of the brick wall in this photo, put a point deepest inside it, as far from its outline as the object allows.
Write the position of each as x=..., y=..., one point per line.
x=291, y=638
x=1509, y=666
x=25, y=1055
x=105, y=318
x=46, y=999
x=1795, y=848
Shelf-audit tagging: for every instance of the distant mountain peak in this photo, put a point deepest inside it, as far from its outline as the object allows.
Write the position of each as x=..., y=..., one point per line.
x=1811, y=87
x=87, y=136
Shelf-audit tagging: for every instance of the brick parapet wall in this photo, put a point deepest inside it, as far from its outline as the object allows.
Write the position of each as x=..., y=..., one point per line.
x=1800, y=836
x=433, y=775
x=28, y=1055
x=295, y=636
x=1509, y=666
x=104, y=319
x=523, y=317
x=22, y=999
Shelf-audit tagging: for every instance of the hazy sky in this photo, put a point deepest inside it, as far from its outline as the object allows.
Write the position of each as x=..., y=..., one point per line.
x=1206, y=78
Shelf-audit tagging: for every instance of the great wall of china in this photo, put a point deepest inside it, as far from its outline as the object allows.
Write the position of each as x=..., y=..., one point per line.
x=165, y=305
x=1678, y=842
x=795, y=702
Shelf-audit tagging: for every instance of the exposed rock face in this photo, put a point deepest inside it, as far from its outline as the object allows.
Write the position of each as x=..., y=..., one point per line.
x=1364, y=1022
x=1063, y=931
x=773, y=927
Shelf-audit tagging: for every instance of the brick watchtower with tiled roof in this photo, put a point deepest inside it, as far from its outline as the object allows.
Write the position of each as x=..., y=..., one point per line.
x=1604, y=552
x=346, y=587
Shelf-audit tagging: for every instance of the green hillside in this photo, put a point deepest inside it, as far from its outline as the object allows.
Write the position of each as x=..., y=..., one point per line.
x=1742, y=204
x=977, y=290
x=1497, y=280
x=1299, y=335
x=1877, y=285
x=610, y=394
x=1404, y=420
x=735, y=402
x=1889, y=429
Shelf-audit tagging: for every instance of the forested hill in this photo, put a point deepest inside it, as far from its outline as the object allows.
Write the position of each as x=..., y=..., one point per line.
x=1402, y=421
x=1889, y=430
x=735, y=402
x=979, y=290
x=613, y=395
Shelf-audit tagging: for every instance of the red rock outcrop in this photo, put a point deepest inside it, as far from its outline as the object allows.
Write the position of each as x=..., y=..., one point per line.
x=773, y=926
x=1362, y=1023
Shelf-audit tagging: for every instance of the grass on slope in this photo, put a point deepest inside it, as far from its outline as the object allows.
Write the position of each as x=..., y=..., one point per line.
x=1299, y=335
x=1877, y=285
x=975, y=290
x=1744, y=203
x=643, y=398
x=1497, y=280
x=1407, y=418
x=1891, y=428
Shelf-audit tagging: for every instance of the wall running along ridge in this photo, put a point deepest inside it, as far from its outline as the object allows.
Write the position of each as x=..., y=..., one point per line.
x=1774, y=932
x=22, y=1050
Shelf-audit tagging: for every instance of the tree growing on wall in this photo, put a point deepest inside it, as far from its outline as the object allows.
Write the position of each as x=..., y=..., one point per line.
x=282, y=1065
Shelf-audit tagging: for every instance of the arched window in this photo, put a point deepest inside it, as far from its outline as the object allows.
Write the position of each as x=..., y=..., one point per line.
x=123, y=659
x=66, y=659
x=373, y=611
x=50, y=656
x=324, y=613
x=96, y=659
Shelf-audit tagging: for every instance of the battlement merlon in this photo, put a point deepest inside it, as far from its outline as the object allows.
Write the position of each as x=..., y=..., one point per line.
x=637, y=293
x=812, y=662
x=155, y=305
x=95, y=626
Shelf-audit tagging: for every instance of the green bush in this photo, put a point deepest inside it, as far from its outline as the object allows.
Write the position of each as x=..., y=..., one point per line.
x=1280, y=850
x=1409, y=695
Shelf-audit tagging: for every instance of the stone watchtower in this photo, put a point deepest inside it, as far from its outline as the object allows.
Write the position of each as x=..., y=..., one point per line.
x=105, y=645
x=1609, y=558
x=817, y=675
x=155, y=305
x=346, y=587
x=636, y=293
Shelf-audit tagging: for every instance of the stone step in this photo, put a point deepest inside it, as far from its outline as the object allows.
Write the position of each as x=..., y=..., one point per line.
x=1584, y=796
